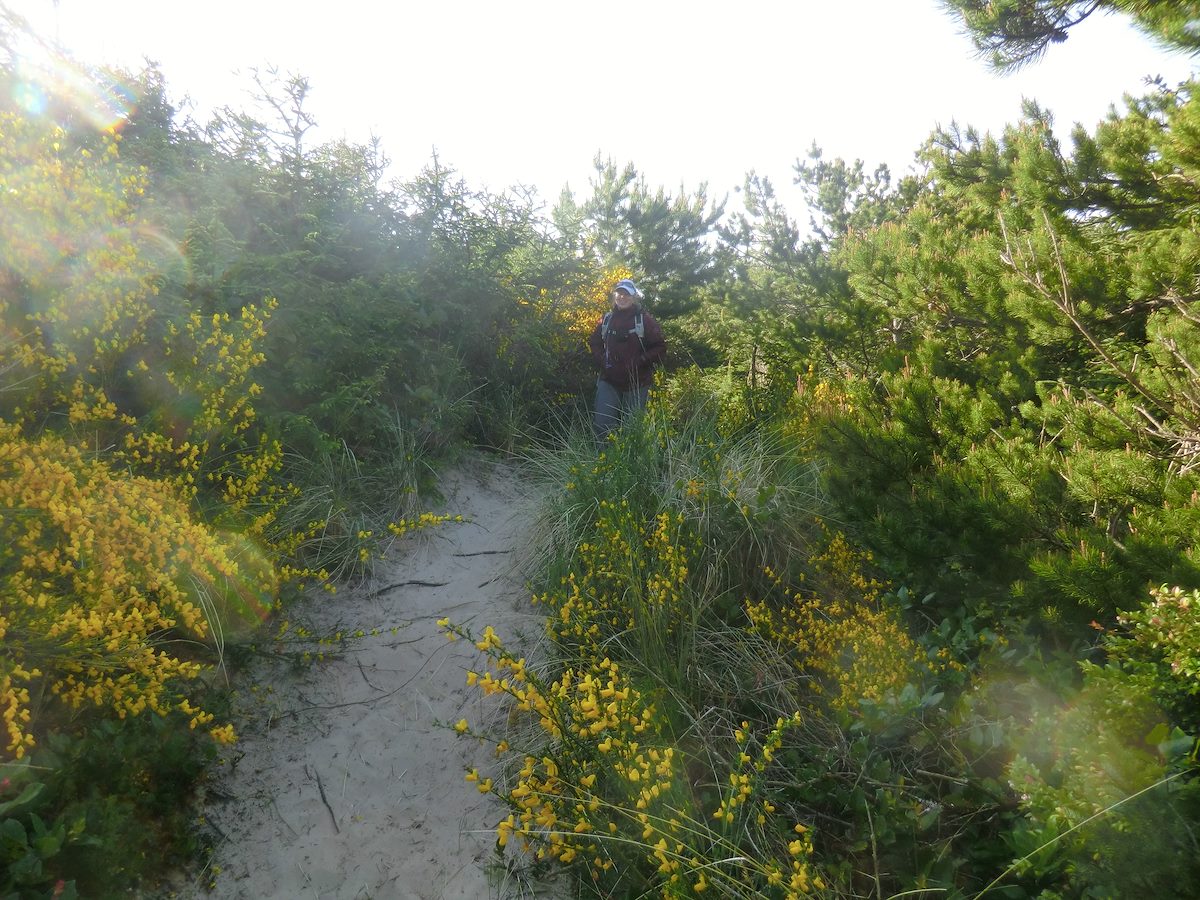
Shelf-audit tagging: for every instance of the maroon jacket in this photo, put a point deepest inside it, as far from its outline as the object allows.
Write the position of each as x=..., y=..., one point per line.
x=623, y=360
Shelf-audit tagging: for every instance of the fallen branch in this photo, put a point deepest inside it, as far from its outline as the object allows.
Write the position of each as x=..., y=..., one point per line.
x=313, y=773
x=363, y=672
x=368, y=700
x=415, y=583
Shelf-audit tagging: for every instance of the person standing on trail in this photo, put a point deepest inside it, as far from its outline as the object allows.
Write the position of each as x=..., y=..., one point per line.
x=627, y=345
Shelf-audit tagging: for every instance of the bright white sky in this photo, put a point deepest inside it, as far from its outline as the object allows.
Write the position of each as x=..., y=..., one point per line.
x=529, y=91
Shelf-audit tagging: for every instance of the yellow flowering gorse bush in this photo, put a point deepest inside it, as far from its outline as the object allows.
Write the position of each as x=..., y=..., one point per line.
x=565, y=318
x=81, y=291
x=134, y=502
x=203, y=394
x=840, y=631
x=600, y=786
x=104, y=577
x=598, y=726
x=632, y=575
x=815, y=399
x=746, y=809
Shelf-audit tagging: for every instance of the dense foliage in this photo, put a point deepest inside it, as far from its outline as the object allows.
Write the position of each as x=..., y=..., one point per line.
x=893, y=588
x=1010, y=33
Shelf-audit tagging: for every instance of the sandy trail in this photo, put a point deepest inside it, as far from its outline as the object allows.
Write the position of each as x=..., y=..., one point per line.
x=347, y=781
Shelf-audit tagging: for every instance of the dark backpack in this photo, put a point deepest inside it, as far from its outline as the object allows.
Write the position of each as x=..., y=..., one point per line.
x=639, y=327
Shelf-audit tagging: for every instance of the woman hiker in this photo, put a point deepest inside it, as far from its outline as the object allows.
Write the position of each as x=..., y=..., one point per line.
x=626, y=344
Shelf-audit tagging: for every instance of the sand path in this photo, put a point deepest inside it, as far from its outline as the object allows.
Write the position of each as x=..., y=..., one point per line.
x=347, y=781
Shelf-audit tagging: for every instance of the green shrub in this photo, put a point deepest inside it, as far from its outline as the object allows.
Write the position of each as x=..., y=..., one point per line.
x=102, y=808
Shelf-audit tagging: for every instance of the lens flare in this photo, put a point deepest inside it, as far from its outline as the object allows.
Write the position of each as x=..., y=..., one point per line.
x=106, y=102
x=44, y=78
x=29, y=97
x=236, y=603
x=164, y=253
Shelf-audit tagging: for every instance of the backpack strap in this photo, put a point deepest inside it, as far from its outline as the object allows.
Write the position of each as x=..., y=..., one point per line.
x=639, y=328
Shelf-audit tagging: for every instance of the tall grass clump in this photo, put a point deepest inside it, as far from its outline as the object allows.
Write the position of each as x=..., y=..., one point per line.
x=744, y=493
x=343, y=514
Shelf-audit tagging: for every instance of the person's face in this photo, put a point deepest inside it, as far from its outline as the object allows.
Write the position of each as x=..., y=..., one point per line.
x=622, y=299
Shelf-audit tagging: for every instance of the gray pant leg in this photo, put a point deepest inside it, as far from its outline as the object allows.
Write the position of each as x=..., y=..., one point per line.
x=607, y=412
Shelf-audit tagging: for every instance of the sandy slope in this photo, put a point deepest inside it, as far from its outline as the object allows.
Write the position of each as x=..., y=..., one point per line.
x=347, y=781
